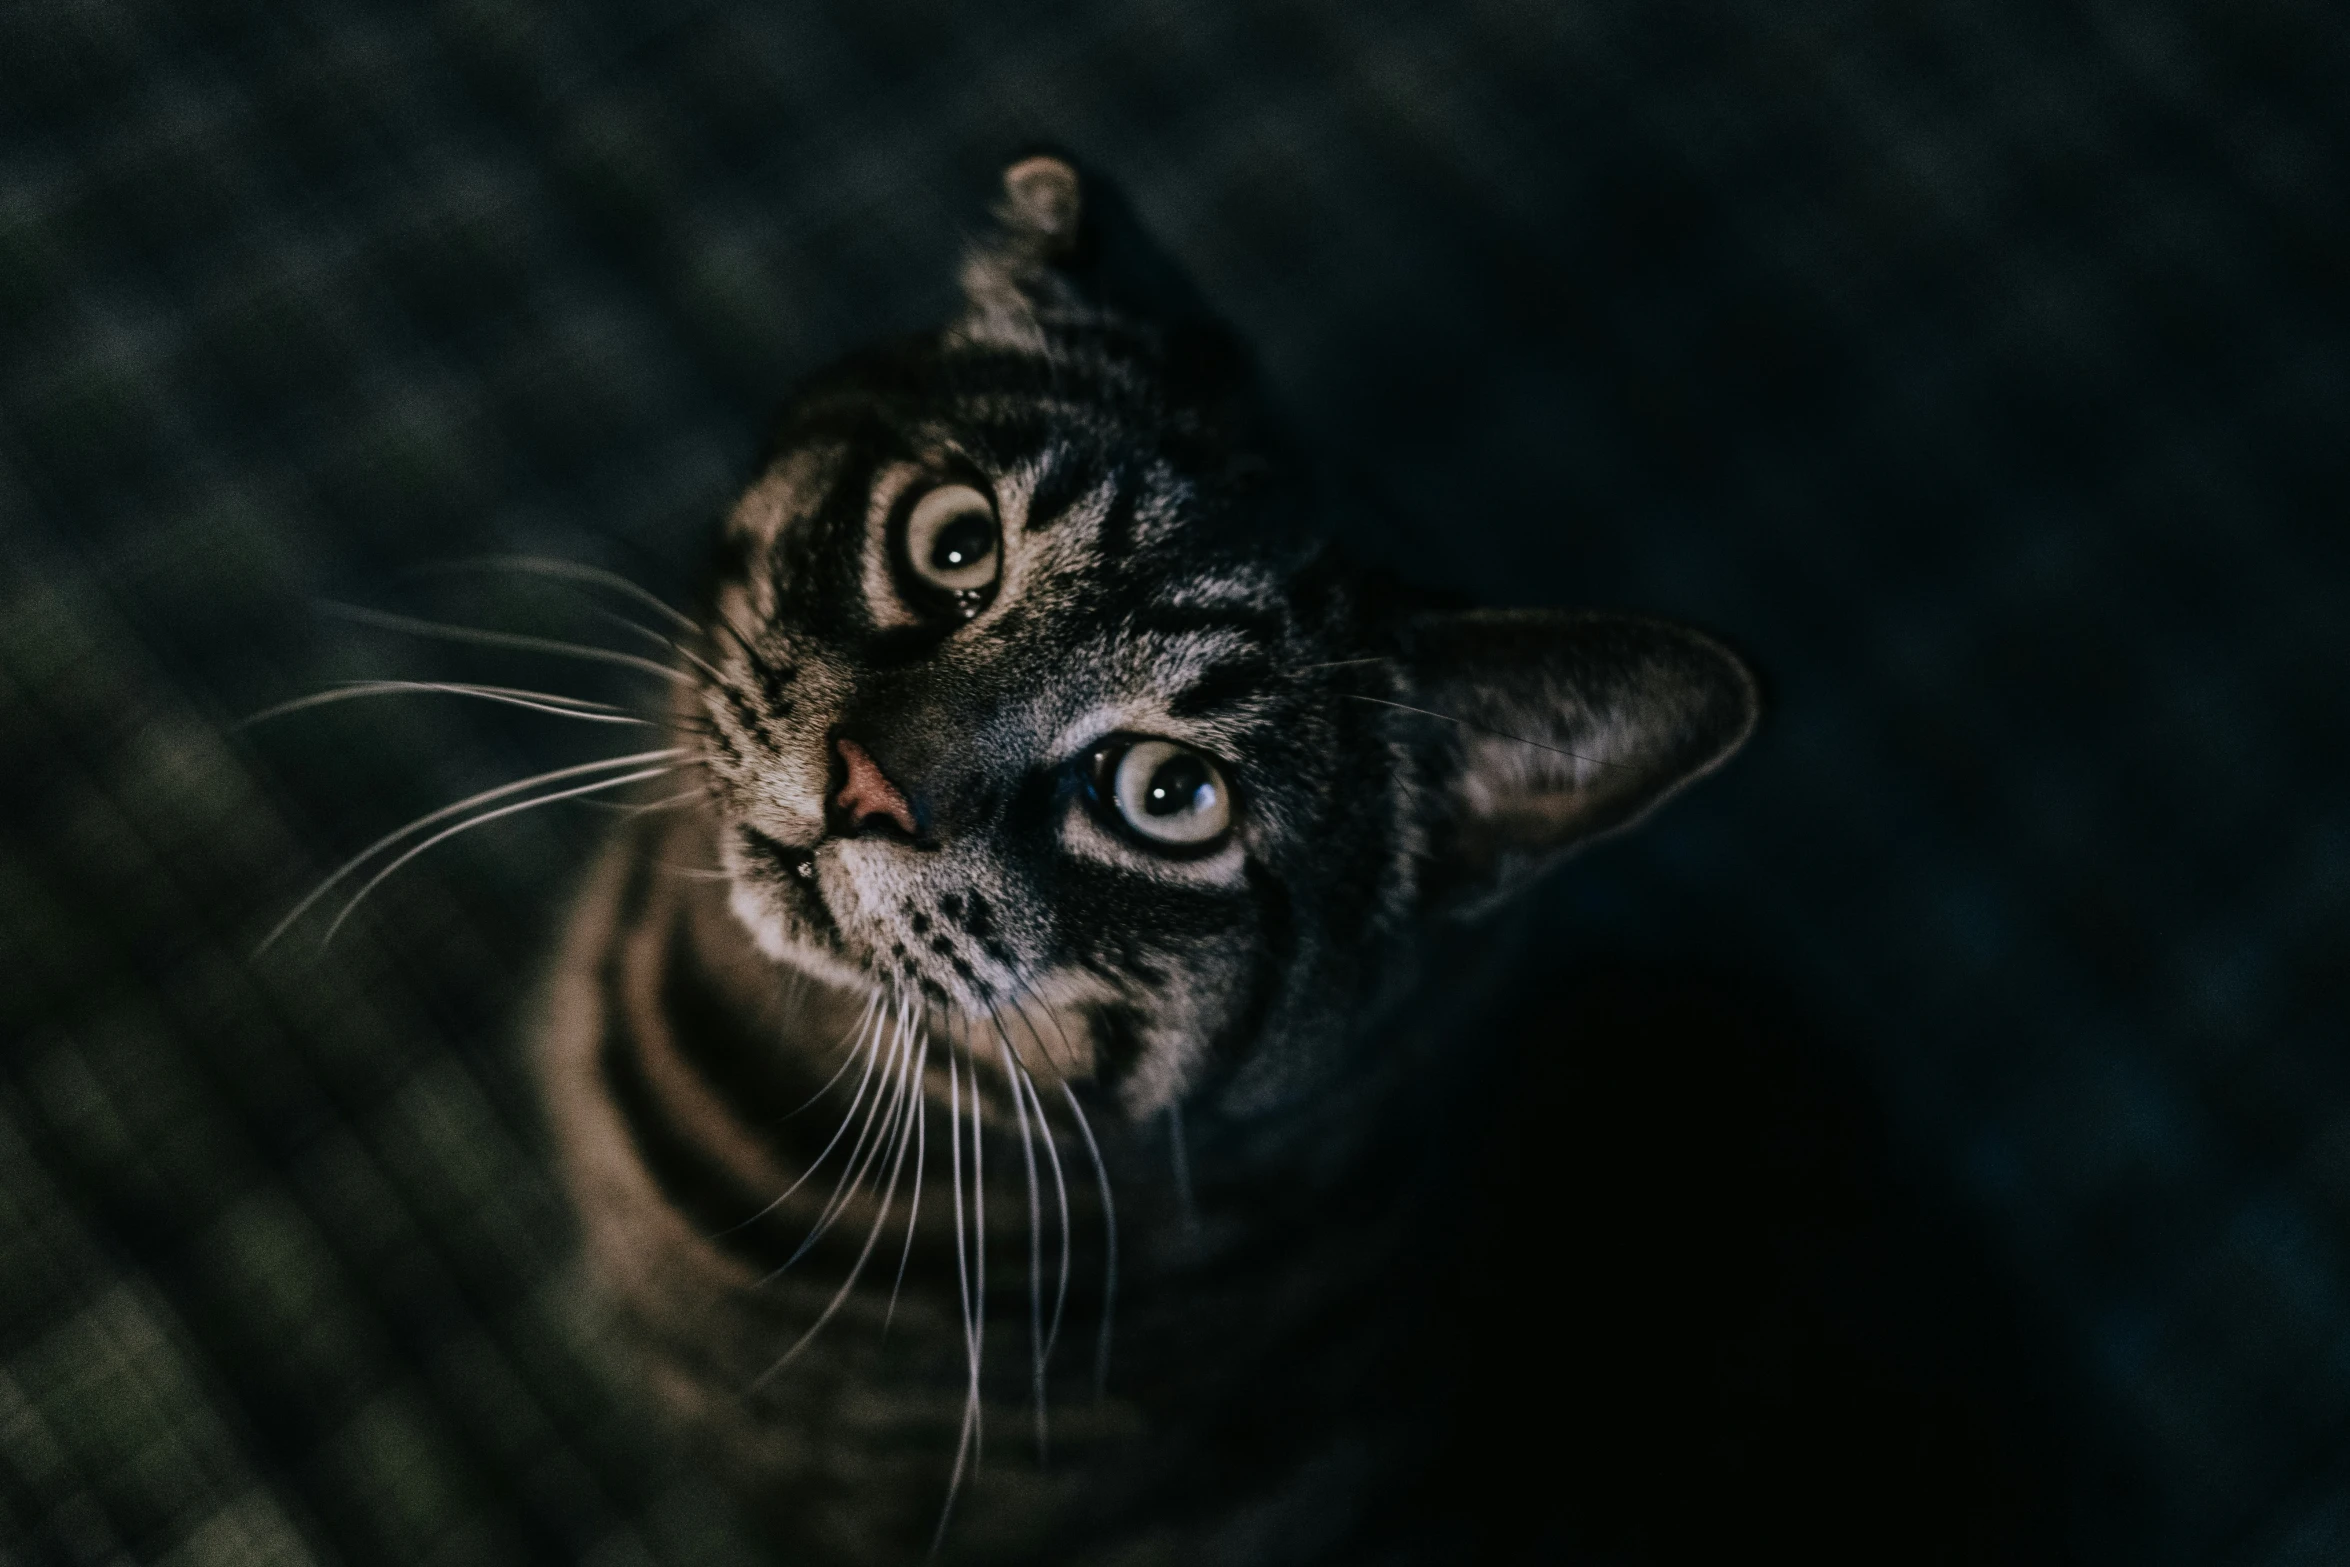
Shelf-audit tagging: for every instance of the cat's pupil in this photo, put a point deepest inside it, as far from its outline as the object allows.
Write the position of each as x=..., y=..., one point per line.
x=962, y=542
x=1175, y=786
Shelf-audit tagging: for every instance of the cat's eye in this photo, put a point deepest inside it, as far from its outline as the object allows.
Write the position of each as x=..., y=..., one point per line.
x=1167, y=793
x=951, y=544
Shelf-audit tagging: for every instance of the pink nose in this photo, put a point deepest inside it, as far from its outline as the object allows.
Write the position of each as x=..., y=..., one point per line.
x=869, y=793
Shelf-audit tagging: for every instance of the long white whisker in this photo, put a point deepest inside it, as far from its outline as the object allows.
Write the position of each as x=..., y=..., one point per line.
x=658, y=639
x=978, y=1266
x=668, y=802
x=1052, y=1152
x=1075, y=1057
x=1060, y=1186
x=512, y=696
x=853, y=1170
x=848, y=1060
x=921, y=1147
x=1012, y=1075
x=965, y=1440
x=1101, y=1173
x=443, y=814
x=966, y=1437
x=483, y=819
x=868, y=1049
x=900, y=1052
x=574, y=571
x=955, y=1166
x=872, y=1235
x=511, y=639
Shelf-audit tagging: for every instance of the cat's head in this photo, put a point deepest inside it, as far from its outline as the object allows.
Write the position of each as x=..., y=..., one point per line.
x=1036, y=689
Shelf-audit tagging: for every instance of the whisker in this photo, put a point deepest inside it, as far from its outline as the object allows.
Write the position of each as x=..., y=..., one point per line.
x=1052, y=1335
x=1499, y=734
x=978, y=1267
x=763, y=668
x=848, y=1060
x=568, y=570
x=443, y=814
x=661, y=640
x=472, y=822
x=1052, y=1150
x=668, y=802
x=512, y=696
x=967, y=1438
x=1075, y=1057
x=854, y=1169
x=1012, y=1075
x=868, y=1047
x=511, y=639
x=1101, y=1174
x=1341, y=663
x=881, y=1116
x=872, y=1235
x=734, y=634
x=914, y=1207
x=955, y=1165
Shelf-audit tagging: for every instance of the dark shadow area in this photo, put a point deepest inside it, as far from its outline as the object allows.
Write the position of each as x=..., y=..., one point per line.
x=1703, y=1313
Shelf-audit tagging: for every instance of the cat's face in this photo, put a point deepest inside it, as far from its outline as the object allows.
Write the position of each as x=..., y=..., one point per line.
x=1028, y=707
x=1030, y=696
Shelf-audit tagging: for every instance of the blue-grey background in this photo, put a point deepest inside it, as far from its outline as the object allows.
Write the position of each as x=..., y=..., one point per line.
x=1979, y=366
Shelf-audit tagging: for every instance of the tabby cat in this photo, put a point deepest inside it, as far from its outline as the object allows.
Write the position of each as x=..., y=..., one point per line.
x=996, y=1096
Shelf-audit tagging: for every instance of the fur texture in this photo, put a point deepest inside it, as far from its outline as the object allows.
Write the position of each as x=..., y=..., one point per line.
x=931, y=867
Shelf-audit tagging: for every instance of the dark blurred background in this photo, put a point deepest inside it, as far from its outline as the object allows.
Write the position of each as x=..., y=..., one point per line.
x=1978, y=366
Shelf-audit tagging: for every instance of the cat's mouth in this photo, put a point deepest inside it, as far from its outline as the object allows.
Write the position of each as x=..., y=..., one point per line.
x=951, y=952
x=793, y=880
x=790, y=882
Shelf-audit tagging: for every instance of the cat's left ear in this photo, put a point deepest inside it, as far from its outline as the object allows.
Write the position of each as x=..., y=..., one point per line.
x=1558, y=727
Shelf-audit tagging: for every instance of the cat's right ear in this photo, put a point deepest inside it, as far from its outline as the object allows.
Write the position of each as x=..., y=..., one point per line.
x=1541, y=730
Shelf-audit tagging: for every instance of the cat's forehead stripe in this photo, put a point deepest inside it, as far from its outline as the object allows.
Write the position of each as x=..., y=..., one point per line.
x=1236, y=683
x=1263, y=626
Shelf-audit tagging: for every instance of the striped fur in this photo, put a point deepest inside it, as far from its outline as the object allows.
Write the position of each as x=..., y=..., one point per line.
x=778, y=1016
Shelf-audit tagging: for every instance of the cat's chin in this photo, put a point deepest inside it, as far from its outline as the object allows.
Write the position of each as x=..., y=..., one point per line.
x=829, y=956
x=784, y=940
x=1054, y=1028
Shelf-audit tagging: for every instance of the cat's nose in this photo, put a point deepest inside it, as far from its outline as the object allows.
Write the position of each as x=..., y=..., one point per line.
x=867, y=798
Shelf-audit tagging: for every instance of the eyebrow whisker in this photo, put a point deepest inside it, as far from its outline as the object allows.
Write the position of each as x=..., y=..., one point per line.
x=569, y=571
x=520, y=641
x=513, y=696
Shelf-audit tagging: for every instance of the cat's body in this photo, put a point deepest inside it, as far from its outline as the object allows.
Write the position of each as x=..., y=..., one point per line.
x=1080, y=820
x=1266, y=1277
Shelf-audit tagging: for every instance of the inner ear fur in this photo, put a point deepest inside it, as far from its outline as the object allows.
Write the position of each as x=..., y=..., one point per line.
x=1557, y=727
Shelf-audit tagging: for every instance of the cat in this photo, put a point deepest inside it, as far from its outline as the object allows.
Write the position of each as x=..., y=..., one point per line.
x=1062, y=807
